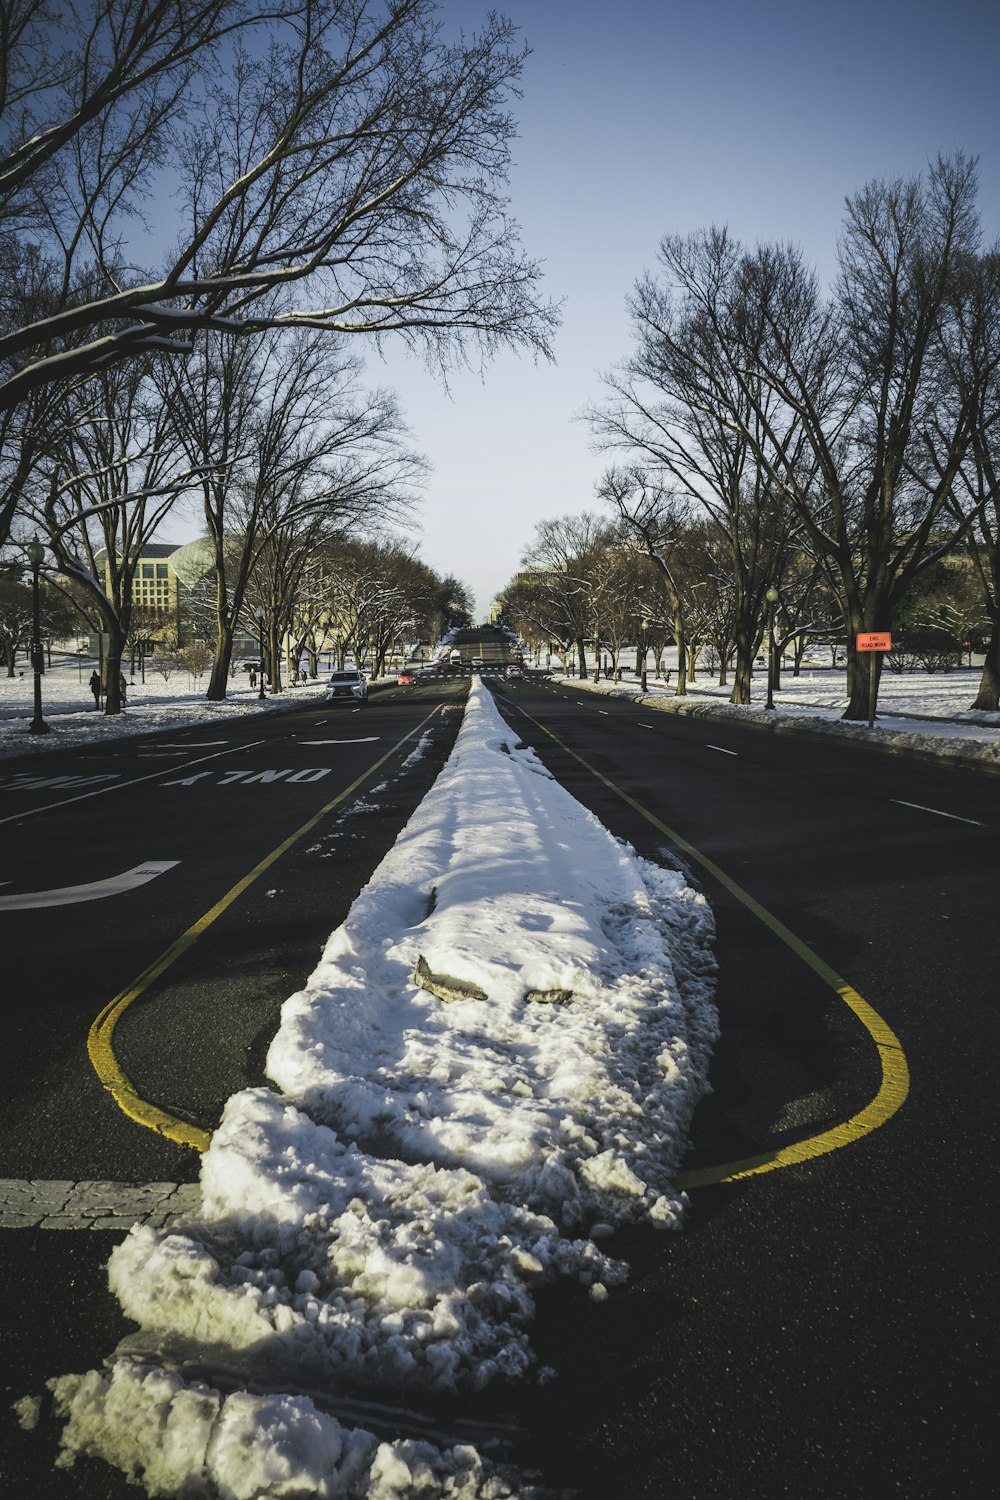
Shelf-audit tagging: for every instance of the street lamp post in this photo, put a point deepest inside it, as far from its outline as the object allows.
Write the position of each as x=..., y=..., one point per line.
x=645, y=649
x=259, y=612
x=36, y=556
x=772, y=598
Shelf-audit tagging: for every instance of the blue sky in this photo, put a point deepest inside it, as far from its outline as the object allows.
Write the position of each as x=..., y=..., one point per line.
x=647, y=117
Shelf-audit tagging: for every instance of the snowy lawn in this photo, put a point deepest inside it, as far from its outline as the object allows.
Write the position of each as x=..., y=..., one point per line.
x=494, y=1064
x=68, y=706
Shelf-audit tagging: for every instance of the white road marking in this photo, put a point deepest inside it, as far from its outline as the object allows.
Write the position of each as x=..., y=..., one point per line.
x=720, y=750
x=96, y=890
x=937, y=812
x=136, y=781
x=192, y=744
x=604, y=711
x=365, y=739
x=25, y=781
x=642, y=725
x=266, y=778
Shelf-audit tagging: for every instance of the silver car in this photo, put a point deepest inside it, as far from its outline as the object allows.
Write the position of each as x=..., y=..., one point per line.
x=347, y=686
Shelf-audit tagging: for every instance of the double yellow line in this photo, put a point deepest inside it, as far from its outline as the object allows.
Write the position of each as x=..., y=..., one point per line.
x=892, y=1091
x=100, y=1041
x=895, y=1079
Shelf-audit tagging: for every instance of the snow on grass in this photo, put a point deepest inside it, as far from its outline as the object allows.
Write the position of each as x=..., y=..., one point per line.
x=68, y=707
x=382, y=1224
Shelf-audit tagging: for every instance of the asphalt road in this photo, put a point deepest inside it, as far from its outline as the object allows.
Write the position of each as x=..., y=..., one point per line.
x=327, y=789
x=825, y=1329
x=829, y=1328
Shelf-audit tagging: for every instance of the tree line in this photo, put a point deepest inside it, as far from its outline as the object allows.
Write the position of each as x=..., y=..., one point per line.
x=202, y=203
x=838, y=447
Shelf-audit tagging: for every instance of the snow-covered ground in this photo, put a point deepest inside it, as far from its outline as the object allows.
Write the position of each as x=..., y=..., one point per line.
x=68, y=706
x=494, y=1064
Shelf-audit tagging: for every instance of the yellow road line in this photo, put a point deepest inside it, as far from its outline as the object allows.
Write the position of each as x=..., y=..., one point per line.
x=100, y=1038
x=895, y=1080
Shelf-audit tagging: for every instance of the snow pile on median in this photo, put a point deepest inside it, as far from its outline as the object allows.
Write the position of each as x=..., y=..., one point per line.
x=444, y=1145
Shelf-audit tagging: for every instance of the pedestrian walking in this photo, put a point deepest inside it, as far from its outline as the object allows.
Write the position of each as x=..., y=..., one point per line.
x=122, y=688
x=253, y=677
x=95, y=688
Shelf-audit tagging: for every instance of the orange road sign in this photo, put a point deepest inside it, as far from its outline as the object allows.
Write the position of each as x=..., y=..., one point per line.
x=874, y=640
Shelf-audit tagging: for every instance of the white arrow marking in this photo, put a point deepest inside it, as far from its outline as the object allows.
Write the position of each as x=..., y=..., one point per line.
x=96, y=890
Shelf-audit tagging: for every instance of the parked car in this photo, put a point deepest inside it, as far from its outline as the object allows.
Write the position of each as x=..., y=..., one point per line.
x=347, y=686
x=405, y=678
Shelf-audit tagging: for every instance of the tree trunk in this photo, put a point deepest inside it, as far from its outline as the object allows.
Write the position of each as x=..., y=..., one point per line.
x=581, y=651
x=743, y=671
x=857, y=672
x=274, y=656
x=224, y=624
x=799, y=653
x=113, y=670
x=219, y=676
x=861, y=701
x=988, y=695
x=681, y=689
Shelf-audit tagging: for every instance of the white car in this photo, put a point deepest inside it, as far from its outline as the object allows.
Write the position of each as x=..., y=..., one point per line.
x=347, y=686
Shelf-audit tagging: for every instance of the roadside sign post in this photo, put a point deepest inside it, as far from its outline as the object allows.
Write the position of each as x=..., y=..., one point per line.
x=871, y=641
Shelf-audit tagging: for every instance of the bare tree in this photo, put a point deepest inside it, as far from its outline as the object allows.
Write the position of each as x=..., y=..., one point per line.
x=566, y=556
x=282, y=433
x=658, y=519
x=840, y=401
x=678, y=405
x=338, y=164
x=977, y=495
x=15, y=614
x=117, y=475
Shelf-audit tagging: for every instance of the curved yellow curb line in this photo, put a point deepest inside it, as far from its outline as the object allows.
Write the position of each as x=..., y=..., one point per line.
x=895, y=1082
x=101, y=1035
